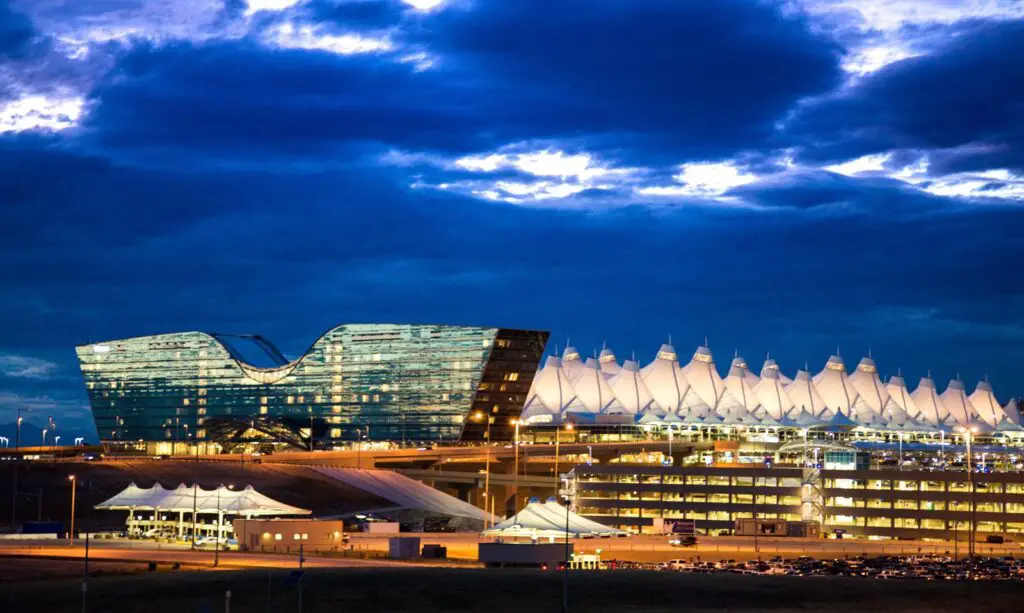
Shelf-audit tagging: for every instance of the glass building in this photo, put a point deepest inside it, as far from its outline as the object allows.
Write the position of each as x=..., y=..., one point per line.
x=357, y=381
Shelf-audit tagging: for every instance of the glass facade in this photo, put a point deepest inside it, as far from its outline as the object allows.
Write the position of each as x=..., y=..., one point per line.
x=357, y=381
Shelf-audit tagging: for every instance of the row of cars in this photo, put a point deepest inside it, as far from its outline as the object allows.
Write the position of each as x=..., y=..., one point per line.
x=920, y=567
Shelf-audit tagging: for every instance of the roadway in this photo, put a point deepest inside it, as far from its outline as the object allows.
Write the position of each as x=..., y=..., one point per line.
x=142, y=553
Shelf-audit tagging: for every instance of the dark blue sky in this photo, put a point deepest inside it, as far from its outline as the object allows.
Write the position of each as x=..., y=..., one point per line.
x=788, y=176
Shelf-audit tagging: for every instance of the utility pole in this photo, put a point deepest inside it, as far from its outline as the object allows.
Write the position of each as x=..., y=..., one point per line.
x=17, y=459
x=85, y=572
x=71, y=532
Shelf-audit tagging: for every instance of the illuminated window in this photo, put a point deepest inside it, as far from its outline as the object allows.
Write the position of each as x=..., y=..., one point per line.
x=277, y=537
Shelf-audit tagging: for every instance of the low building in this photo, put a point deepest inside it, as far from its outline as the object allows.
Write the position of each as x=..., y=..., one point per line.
x=287, y=535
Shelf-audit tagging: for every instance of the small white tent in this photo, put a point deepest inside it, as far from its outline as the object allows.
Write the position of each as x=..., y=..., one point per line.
x=549, y=520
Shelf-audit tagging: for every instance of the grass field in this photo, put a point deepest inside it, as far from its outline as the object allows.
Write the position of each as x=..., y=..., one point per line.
x=501, y=591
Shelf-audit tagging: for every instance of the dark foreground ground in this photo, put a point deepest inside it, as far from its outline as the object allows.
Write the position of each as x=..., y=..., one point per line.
x=501, y=591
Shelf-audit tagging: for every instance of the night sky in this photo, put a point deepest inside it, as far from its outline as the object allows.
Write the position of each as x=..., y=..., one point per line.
x=785, y=176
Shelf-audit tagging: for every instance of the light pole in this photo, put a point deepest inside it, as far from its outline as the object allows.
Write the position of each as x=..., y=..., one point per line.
x=558, y=438
x=479, y=416
x=968, y=436
x=44, y=436
x=515, y=444
x=311, y=428
x=216, y=542
x=56, y=441
x=14, y=490
x=71, y=533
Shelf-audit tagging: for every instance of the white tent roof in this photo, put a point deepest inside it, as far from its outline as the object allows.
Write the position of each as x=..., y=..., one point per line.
x=805, y=396
x=630, y=390
x=664, y=379
x=738, y=383
x=541, y=520
x=246, y=501
x=572, y=365
x=771, y=393
x=900, y=395
x=956, y=402
x=704, y=379
x=985, y=403
x=770, y=364
x=550, y=394
x=835, y=389
x=609, y=365
x=928, y=402
x=593, y=391
x=1012, y=411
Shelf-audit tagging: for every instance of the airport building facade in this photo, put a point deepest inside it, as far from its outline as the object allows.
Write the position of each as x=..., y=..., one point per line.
x=377, y=382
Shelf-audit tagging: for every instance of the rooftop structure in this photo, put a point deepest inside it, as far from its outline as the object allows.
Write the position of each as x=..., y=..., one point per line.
x=665, y=392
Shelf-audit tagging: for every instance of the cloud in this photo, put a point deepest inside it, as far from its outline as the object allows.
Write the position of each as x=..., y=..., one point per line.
x=16, y=31
x=26, y=367
x=979, y=109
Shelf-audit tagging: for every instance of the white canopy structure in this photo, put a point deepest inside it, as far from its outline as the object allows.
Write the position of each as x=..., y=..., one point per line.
x=771, y=393
x=956, y=402
x=874, y=395
x=1012, y=412
x=740, y=384
x=986, y=405
x=245, y=502
x=572, y=365
x=609, y=365
x=839, y=395
x=926, y=397
x=664, y=379
x=550, y=394
x=663, y=392
x=630, y=390
x=593, y=391
x=549, y=520
x=900, y=395
x=805, y=396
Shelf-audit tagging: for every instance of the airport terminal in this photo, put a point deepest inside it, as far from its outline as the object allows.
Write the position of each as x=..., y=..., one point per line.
x=442, y=429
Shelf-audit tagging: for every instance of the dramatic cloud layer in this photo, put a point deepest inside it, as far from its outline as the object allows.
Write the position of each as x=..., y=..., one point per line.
x=786, y=176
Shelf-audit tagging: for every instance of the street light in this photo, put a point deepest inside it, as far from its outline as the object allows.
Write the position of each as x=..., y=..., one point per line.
x=558, y=438
x=479, y=416
x=515, y=444
x=71, y=533
x=56, y=441
x=969, y=436
x=44, y=436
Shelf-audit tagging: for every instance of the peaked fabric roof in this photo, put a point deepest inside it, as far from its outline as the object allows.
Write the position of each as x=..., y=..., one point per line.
x=771, y=393
x=926, y=397
x=664, y=379
x=695, y=393
x=986, y=405
x=956, y=402
x=542, y=520
x=805, y=396
x=246, y=501
x=609, y=365
x=630, y=389
x=593, y=391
